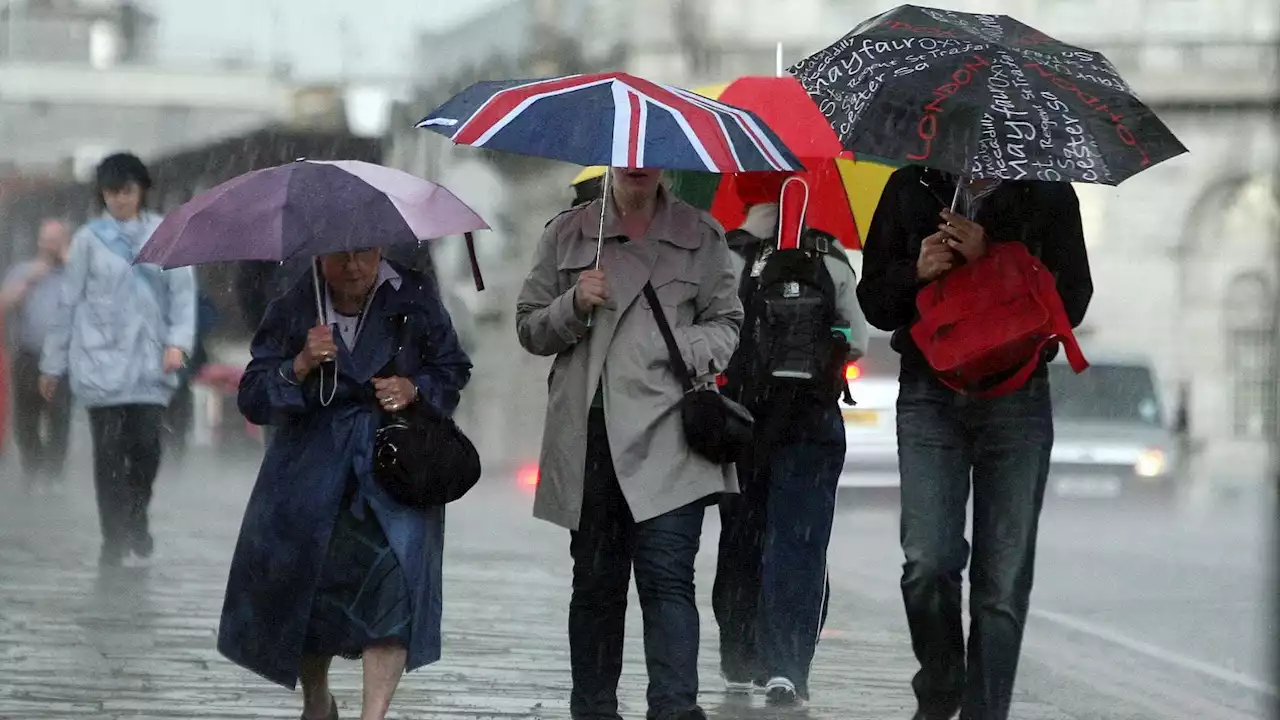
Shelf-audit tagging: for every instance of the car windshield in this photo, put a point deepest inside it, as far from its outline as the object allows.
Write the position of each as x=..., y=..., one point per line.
x=1108, y=393
x=880, y=360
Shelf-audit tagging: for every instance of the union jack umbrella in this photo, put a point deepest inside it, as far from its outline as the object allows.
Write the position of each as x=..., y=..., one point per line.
x=611, y=119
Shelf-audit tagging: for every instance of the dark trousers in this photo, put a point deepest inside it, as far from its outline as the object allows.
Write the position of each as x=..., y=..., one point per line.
x=771, y=591
x=126, y=458
x=40, y=428
x=607, y=544
x=1000, y=446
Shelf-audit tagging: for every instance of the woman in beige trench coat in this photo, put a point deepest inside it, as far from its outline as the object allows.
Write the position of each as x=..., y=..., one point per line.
x=615, y=467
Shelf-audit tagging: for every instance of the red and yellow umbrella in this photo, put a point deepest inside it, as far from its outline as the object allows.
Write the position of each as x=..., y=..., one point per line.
x=843, y=193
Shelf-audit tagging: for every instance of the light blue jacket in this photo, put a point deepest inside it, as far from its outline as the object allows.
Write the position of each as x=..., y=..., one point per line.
x=119, y=318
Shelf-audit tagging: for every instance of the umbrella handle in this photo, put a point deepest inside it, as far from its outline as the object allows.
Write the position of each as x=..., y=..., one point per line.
x=475, y=262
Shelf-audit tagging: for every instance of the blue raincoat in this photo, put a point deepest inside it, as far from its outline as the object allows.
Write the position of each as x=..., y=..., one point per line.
x=295, y=503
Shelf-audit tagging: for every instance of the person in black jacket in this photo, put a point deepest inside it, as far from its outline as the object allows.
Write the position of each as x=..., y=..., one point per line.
x=948, y=441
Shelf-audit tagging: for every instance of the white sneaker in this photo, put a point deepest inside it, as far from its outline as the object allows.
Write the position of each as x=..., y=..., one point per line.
x=781, y=692
x=735, y=687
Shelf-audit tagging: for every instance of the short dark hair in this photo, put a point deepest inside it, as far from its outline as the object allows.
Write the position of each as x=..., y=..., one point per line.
x=116, y=171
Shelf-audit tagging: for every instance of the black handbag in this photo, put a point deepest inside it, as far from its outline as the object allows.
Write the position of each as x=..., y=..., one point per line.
x=715, y=427
x=420, y=455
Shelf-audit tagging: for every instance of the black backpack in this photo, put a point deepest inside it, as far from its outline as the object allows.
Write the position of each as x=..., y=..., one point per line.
x=789, y=360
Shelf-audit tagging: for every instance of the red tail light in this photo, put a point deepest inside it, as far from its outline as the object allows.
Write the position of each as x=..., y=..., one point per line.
x=852, y=372
x=527, y=476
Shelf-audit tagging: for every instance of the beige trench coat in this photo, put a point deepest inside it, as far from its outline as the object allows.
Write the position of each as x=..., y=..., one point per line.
x=685, y=256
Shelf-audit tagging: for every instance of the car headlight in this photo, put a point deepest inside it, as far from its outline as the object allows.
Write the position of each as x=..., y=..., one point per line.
x=1151, y=464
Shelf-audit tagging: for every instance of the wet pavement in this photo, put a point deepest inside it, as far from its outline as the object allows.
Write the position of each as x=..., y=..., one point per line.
x=139, y=642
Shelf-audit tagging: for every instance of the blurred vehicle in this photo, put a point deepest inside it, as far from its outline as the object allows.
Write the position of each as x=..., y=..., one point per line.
x=1111, y=437
x=870, y=425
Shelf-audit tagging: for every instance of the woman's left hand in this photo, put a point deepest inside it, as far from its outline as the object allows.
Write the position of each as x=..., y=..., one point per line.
x=395, y=393
x=174, y=359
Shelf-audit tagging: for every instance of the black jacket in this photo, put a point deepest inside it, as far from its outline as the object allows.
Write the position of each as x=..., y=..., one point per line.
x=1043, y=216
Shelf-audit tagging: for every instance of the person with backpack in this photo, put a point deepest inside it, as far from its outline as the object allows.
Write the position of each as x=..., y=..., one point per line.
x=949, y=441
x=124, y=334
x=803, y=324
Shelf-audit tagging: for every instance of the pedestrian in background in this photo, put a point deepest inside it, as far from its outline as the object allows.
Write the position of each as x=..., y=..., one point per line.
x=33, y=291
x=124, y=333
x=616, y=469
x=328, y=563
x=949, y=443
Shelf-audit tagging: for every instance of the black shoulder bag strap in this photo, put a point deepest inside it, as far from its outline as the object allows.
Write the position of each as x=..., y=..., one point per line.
x=677, y=360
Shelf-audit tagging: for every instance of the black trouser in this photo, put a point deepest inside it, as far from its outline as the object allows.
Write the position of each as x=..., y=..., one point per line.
x=606, y=545
x=40, y=428
x=946, y=443
x=126, y=458
x=771, y=591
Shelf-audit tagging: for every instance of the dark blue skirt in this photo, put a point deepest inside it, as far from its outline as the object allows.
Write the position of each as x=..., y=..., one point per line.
x=362, y=598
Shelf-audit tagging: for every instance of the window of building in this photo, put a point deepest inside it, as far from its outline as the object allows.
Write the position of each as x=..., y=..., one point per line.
x=1251, y=348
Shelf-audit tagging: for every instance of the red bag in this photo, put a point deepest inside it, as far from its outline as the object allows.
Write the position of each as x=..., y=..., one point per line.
x=990, y=318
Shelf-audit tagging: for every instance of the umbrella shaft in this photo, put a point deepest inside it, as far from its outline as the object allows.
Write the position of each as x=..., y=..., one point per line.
x=315, y=276
x=604, y=206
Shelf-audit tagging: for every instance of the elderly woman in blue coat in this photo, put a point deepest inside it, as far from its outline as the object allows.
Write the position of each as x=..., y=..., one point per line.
x=327, y=563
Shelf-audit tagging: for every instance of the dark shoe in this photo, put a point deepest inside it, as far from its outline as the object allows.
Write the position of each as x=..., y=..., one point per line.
x=333, y=710
x=693, y=713
x=923, y=715
x=142, y=545
x=781, y=692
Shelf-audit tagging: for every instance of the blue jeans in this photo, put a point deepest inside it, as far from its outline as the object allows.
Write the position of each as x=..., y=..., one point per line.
x=770, y=593
x=607, y=544
x=1000, y=446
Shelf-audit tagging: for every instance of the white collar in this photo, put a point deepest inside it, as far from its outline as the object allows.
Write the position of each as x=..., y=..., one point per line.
x=386, y=274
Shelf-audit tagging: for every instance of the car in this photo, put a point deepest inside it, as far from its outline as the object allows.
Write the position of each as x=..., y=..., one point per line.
x=1111, y=438
x=870, y=424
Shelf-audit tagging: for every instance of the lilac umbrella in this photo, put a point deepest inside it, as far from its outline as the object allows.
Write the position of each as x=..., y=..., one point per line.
x=308, y=208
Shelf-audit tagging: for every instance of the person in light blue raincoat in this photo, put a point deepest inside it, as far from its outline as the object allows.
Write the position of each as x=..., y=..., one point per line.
x=124, y=335
x=327, y=563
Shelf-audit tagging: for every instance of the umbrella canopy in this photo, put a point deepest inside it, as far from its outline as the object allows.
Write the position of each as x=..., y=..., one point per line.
x=611, y=119
x=983, y=96
x=307, y=208
x=842, y=191
x=783, y=103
